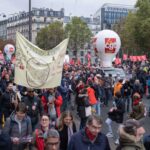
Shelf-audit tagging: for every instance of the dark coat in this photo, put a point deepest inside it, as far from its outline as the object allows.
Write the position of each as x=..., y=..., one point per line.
x=82, y=103
x=126, y=89
x=33, y=114
x=6, y=103
x=117, y=115
x=5, y=142
x=64, y=137
x=79, y=141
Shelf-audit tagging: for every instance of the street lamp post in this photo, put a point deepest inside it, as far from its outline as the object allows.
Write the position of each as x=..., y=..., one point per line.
x=30, y=21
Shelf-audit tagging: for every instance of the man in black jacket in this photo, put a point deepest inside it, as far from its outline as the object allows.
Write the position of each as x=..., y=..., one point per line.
x=8, y=100
x=91, y=137
x=34, y=107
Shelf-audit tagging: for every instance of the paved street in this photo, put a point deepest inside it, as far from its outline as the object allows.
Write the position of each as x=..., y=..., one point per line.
x=115, y=126
x=104, y=111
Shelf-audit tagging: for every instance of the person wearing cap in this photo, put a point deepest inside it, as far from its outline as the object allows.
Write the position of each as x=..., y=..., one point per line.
x=131, y=134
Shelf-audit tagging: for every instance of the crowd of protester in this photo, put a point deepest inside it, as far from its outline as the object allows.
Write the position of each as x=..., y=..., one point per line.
x=47, y=119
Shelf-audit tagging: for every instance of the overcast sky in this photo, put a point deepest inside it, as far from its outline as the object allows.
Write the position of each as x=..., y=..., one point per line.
x=74, y=7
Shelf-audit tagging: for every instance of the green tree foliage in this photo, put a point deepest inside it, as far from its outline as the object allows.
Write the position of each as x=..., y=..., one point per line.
x=134, y=30
x=78, y=32
x=50, y=36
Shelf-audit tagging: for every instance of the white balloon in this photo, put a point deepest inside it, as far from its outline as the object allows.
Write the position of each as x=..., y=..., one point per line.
x=9, y=49
x=107, y=44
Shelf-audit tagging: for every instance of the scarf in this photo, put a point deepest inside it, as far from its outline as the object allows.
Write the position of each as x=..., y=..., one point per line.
x=90, y=136
x=136, y=102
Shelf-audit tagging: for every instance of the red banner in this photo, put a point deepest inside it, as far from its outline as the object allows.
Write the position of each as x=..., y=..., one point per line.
x=125, y=56
x=138, y=58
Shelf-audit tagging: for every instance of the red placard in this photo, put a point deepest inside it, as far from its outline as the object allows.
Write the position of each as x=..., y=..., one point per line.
x=110, y=45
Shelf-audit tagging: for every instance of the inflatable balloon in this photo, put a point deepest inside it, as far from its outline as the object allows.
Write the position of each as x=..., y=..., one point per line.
x=9, y=49
x=107, y=43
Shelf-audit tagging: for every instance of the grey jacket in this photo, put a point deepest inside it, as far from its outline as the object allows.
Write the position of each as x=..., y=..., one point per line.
x=14, y=130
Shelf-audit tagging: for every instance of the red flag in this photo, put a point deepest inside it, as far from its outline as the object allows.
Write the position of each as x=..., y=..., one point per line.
x=89, y=64
x=94, y=39
x=72, y=62
x=117, y=61
x=125, y=56
x=78, y=61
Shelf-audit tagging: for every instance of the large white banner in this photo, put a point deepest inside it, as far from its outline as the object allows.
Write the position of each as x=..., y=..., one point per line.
x=37, y=68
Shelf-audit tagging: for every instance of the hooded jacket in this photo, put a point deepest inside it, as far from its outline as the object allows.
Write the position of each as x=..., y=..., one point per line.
x=128, y=142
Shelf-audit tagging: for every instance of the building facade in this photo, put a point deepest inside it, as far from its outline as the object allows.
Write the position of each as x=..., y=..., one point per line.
x=110, y=14
x=94, y=26
x=40, y=18
x=3, y=29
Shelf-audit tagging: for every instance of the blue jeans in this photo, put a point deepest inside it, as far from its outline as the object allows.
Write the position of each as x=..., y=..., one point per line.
x=97, y=108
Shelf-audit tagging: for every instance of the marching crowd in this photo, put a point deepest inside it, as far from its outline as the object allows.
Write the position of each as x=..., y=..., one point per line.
x=47, y=119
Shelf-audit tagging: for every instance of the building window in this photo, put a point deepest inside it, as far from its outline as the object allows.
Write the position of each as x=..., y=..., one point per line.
x=45, y=13
x=81, y=53
x=74, y=53
x=51, y=13
x=82, y=60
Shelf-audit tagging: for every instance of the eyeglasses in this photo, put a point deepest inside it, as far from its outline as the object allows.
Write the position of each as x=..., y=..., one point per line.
x=45, y=119
x=52, y=144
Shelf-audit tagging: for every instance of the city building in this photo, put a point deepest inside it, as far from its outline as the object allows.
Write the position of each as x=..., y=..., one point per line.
x=41, y=17
x=110, y=14
x=3, y=29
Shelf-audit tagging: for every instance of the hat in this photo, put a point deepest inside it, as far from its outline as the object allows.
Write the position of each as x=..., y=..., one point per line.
x=131, y=126
x=132, y=123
